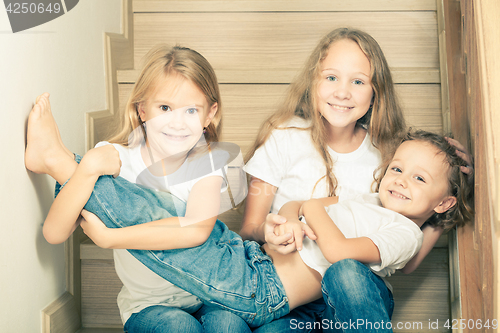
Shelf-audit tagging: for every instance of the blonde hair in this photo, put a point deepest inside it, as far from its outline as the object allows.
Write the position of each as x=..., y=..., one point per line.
x=160, y=63
x=384, y=120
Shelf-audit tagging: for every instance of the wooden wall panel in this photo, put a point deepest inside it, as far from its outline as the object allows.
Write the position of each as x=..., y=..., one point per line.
x=100, y=287
x=224, y=76
x=277, y=44
x=282, y=5
x=422, y=297
x=421, y=105
x=472, y=54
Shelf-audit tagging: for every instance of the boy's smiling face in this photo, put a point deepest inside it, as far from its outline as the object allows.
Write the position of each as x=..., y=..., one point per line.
x=416, y=182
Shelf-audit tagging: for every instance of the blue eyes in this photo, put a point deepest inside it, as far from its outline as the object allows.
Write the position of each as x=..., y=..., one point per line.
x=332, y=78
x=398, y=170
x=190, y=111
x=420, y=179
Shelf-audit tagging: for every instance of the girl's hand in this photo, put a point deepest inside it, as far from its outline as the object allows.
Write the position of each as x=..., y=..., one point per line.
x=96, y=230
x=101, y=161
x=285, y=240
x=298, y=231
x=273, y=220
x=464, y=154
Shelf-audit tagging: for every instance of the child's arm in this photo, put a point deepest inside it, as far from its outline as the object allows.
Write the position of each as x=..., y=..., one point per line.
x=258, y=204
x=62, y=218
x=292, y=227
x=332, y=243
x=431, y=236
x=166, y=234
x=257, y=220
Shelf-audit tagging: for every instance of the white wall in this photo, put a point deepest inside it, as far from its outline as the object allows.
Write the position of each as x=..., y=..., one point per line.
x=64, y=57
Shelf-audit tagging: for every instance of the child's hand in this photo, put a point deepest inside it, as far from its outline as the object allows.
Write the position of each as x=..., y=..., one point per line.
x=94, y=228
x=463, y=154
x=297, y=229
x=285, y=237
x=101, y=161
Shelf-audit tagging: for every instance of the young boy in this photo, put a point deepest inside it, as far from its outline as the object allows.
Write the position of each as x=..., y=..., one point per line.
x=373, y=228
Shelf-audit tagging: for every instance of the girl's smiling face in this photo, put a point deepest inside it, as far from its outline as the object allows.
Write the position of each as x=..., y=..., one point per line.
x=416, y=182
x=175, y=115
x=344, y=90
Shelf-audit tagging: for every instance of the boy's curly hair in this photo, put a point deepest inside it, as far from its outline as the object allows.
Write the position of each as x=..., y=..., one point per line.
x=461, y=185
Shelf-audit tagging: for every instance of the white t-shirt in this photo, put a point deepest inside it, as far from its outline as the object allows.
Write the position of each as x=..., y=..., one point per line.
x=397, y=238
x=289, y=161
x=141, y=286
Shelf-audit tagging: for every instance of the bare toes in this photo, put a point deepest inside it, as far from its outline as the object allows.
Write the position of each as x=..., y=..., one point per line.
x=36, y=109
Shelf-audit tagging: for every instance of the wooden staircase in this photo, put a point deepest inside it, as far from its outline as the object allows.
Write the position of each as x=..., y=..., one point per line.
x=420, y=298
x=256, y=48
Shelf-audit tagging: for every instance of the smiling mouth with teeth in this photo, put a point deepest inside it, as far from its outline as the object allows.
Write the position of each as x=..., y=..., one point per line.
x=398, y=195
x=339, y=107
x=176, y=137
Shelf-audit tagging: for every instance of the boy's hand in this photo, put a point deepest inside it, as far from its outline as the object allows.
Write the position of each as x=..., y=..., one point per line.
x=101, y=161
x=94, y=228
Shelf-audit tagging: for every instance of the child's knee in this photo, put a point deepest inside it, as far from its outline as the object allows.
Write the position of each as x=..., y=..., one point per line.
x=221, y=321
x=345, y=277
x=346, y=269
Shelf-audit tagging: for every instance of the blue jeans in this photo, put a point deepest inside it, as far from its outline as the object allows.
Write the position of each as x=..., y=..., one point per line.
x=304, y=319
x=164, y=319
x=357, y=299
x=214, y=320
x=224, y=272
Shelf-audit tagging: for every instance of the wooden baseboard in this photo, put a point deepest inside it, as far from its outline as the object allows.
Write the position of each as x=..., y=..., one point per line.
x=61, y=316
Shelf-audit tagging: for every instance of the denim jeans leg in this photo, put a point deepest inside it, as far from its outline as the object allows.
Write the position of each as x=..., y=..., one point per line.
x=304, y=319
x=216, y=320
x=223, y=271
x=162, y=319
x=357, y=300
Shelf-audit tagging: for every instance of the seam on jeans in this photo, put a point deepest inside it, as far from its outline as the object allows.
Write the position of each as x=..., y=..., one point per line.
x=115, y=222
x=250, y=315
x=337, y=320
x=375, y=278
x=194, y=277
x=325, y=292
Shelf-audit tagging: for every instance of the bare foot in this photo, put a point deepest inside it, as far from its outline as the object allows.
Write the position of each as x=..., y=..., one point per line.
x=47, y=95
x=45, y=152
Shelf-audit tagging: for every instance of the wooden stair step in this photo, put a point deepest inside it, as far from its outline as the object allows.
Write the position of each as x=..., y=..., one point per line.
x=420, y=297
x=281, y=5
x=90, y=251
x=401, y=75
x=99, y=330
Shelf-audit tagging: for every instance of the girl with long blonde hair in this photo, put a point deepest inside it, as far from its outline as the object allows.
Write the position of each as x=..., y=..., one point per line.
x=167, y=141
x=338, y=121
